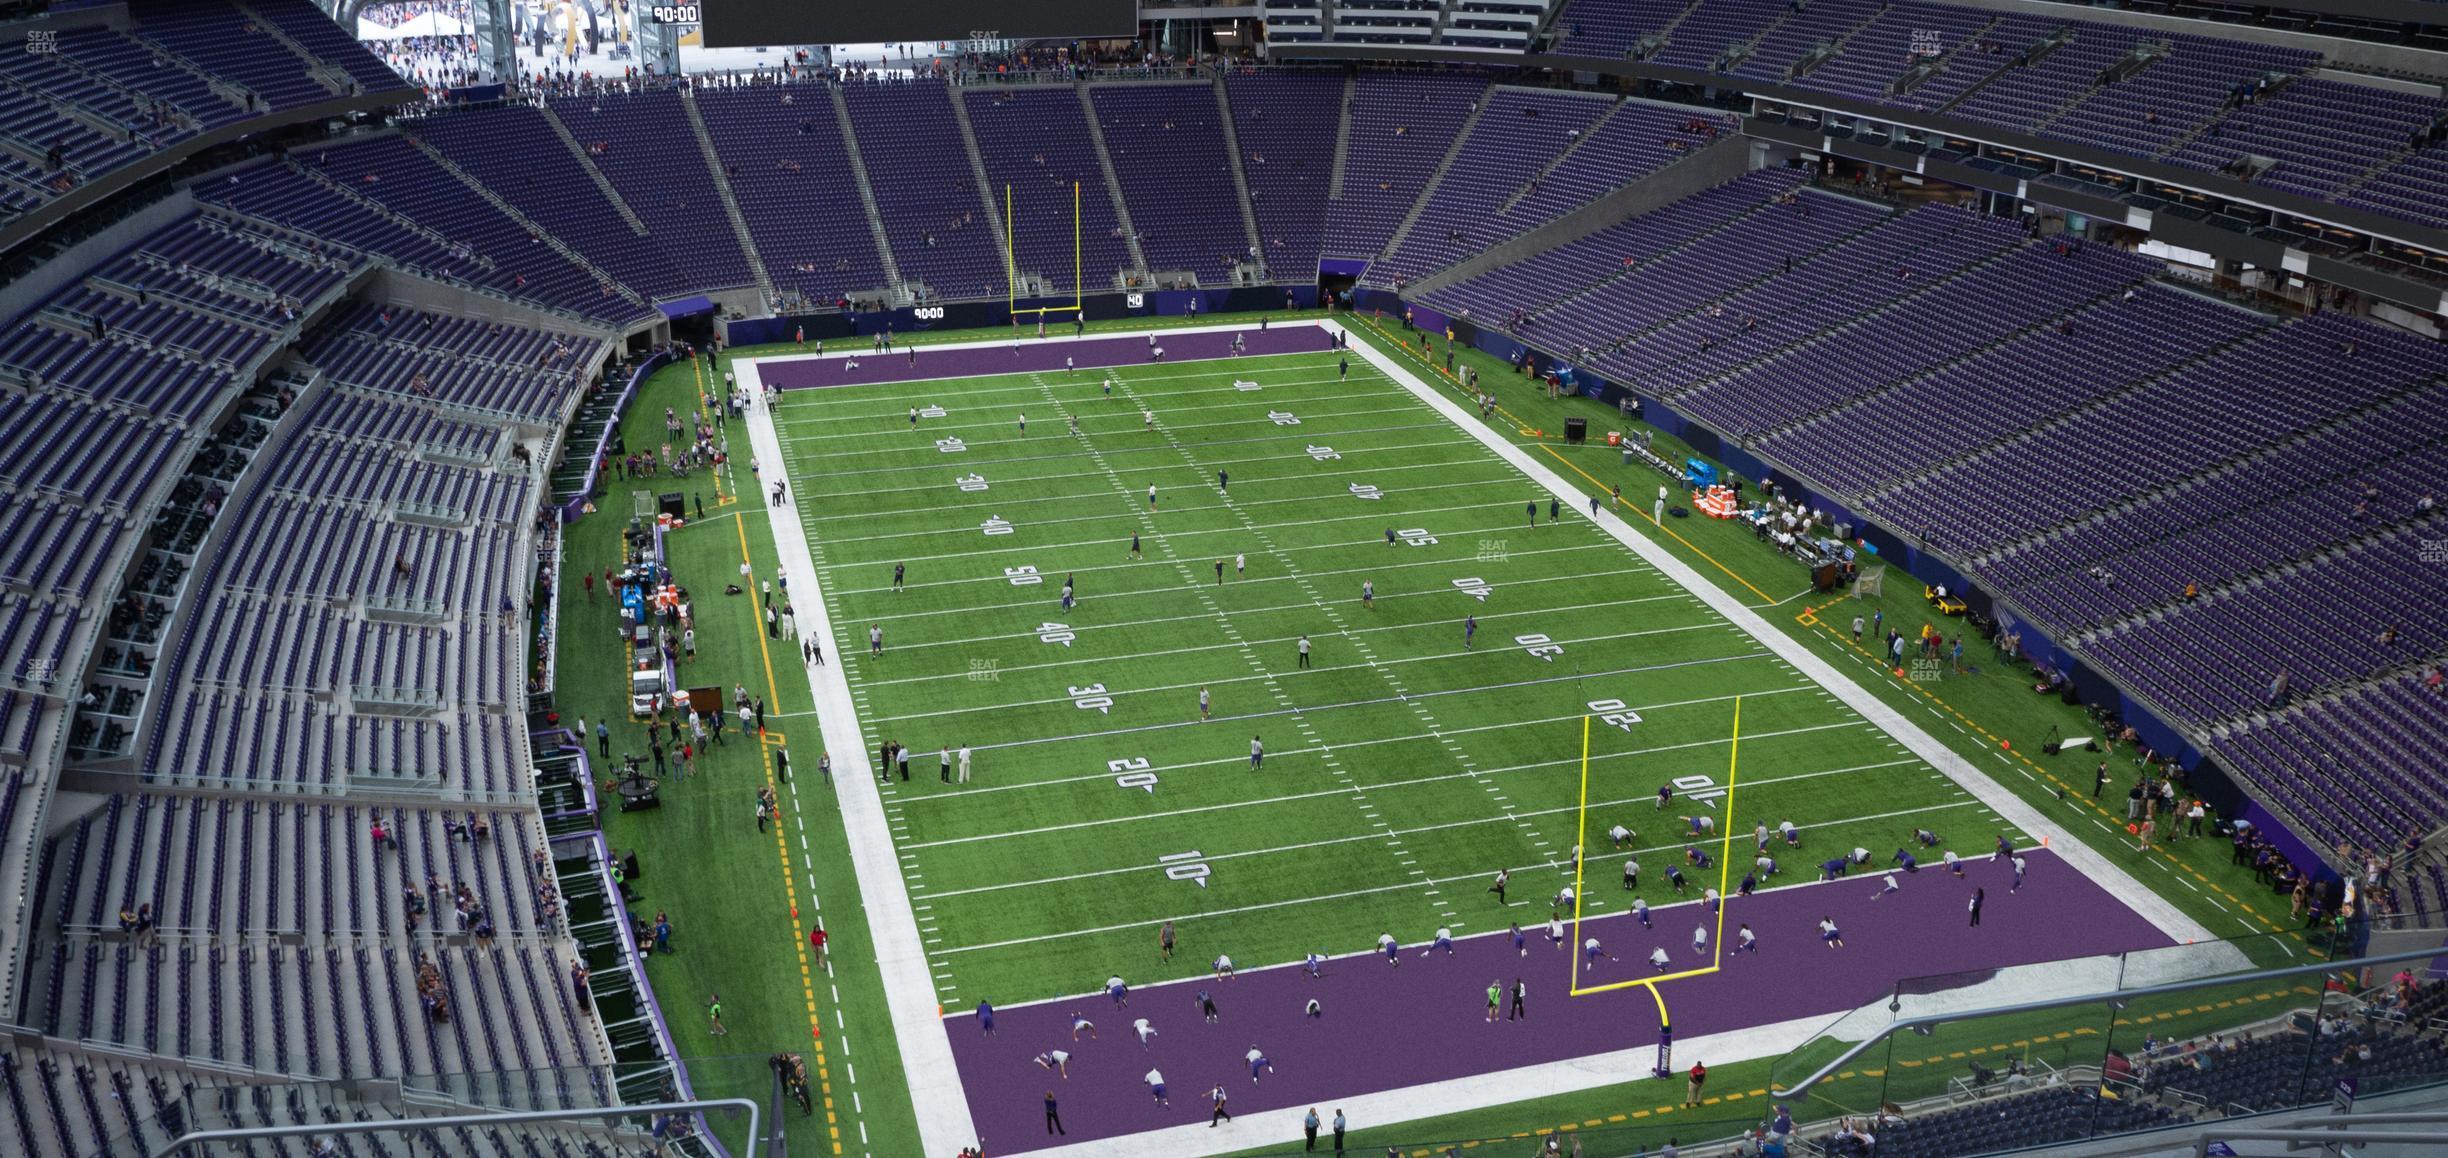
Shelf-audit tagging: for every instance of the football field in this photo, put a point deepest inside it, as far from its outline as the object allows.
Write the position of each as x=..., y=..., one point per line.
x=1431, y=737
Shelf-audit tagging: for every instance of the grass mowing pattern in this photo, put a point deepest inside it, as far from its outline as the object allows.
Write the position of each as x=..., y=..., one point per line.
x=1402, y=769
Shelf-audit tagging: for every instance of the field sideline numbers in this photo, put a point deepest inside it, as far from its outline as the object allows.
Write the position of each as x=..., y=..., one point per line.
x=1540, y=646
x=1243, y=385
x=996, y=525
x=1475, y=587
x=1416, y=537
x=1092, y=697
x=930, y=412
x=1185, y=866
x=1323, y=453
x=1022, y=575
x=1283, y=418
x=1055, y=633
x=950, y=445
x=1366, y=491
x=970, y=482
x=1613, y=713
x=1133, y=773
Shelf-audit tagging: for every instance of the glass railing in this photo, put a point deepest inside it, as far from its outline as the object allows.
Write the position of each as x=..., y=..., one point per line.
x=2138, y=1041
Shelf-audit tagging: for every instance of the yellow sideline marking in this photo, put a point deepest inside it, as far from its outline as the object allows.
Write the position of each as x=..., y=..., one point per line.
x=790, y=882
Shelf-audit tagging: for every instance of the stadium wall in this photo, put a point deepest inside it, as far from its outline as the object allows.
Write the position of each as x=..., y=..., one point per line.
x=834, y=325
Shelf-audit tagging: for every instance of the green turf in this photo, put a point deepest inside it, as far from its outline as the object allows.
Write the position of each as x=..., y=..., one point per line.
x=724, y=887
x=1402, y=771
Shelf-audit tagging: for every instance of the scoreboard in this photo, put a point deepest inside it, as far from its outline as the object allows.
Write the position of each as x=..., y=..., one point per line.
x=757, y=23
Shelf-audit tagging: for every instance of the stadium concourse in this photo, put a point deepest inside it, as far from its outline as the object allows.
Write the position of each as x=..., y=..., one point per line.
x=1185, y=593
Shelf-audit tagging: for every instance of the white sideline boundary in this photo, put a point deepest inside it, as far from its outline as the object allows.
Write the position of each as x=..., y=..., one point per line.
x=936, y=1099
x=936, y=1094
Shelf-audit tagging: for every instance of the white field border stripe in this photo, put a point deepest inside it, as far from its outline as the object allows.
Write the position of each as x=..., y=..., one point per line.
x=1413, y=883
x=1239, y=762
x=1400, y=697
x=1230, y=805
x=1593, y=857
x=2082, y=857
x=936, y=1096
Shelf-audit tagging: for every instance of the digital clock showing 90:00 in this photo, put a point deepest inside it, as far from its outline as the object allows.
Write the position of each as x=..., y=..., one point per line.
x=677, y=14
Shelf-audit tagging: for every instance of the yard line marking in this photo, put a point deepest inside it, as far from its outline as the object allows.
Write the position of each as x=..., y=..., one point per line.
x=1345, y=743
x=1278, y=641
x=1345, y=895
x=999, y=580
x=1593, y=855
x=1083, y=629
x=1204, y=808
x=940, y=713
x=903, y=490
x=1370, y=516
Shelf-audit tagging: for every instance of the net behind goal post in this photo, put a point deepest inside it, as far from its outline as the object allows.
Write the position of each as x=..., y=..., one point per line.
x=1868, y=585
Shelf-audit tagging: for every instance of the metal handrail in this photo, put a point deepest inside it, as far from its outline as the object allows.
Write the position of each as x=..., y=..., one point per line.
x=515, y=1117
x=1931, y=1021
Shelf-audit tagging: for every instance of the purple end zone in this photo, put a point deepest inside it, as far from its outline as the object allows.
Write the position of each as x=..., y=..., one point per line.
x=1386, y=1027
x=1035, y=356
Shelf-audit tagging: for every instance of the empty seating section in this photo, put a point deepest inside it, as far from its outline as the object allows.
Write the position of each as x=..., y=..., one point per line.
x=61, y=447
x=1286, y=123
x=643, y=144
x=495, y=366
x=2028, y=96
x=1496, y=187
x=942, y=233
x=2358, y=766
x=515, y=153
x=1402, y=123
x=2223, y=527
x=782, y=151
x=474, y=239
x=328, y=42
x=2017, y=384
x=2090, y=459
x=47, y=101
x=1518, y=134
x=1878, y=54
x=2324, y=134
x=1584, y=270
x=103, y=98
x=121, y=59
x=2415, y=188
x=1637, y=139
x=1990, y=50
x=2195, y=81
x=1713, y=26
x=2025, y=287
x=1610, y=29
x=231, y=46
x=1167, y=148
x=285, y=943
x=1035, y=144
x=1798, y=35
